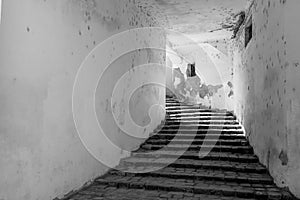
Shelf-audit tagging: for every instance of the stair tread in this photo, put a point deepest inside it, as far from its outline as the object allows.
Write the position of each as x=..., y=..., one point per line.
x=197, y=135
x=201, y=118
x=195, y=186
x=182, y=129
x=196, y=163
x=199, y=132
x=199, y=114
x=204, y=125
x=111, y=192
x=241, y=142
x=196, y=154
x=204, y=122
x=197, y=140
x=194, y=111
x=179, y=119
x=189, y=173
x=196, y=145
x=179, y=106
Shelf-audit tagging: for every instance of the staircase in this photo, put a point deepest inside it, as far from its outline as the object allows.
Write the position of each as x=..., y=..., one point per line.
x=169, y=166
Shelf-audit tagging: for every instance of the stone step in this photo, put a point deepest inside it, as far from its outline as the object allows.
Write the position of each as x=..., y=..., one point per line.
x=179, y=105
x=213, y=122
x=195, y=164
x=200, y=174
x=192, y=147
x=260, y=191
x=222, y=156
x=202, y=118
x=196, y=111
x=172, y=99
x=186, y=107
x=241, y=142
x=202, y=114
x=193, y=109
x=106, y=192
x=201, y=126
x=200, y=131
x=198, y=136
x=176, y=103
x=199, y=116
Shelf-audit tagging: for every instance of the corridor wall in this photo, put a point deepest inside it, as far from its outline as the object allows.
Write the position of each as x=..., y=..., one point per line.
x=42, y=47
x=267, y=87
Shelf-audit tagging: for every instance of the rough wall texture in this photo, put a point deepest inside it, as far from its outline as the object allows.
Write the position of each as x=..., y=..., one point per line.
x=266, y=79
x=212, y=86
x=42, y=46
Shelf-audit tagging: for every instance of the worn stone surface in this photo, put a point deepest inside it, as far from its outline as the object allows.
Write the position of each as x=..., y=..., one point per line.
x=174, y=174
x=102, y=192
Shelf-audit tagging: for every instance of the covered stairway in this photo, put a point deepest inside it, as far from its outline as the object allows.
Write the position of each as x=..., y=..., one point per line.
x=85, y=99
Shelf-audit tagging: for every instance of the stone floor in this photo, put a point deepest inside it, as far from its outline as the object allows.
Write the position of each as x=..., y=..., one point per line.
x=169, y=164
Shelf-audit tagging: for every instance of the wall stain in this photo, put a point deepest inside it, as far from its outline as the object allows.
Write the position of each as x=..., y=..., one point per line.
x=284, y=158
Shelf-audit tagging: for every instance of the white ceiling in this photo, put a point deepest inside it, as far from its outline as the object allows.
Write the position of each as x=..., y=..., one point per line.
x=198, y=18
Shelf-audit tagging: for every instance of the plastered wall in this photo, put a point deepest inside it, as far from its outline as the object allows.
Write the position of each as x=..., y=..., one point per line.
x=213, y=85
x=266, y=87
x=42, y=44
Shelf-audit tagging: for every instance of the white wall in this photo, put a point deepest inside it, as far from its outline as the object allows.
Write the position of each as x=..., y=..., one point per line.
x=266, y=80
x=42, y=44
x=213, y=67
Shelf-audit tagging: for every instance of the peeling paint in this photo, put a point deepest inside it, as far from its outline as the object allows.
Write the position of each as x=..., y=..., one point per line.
x=192, y=87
